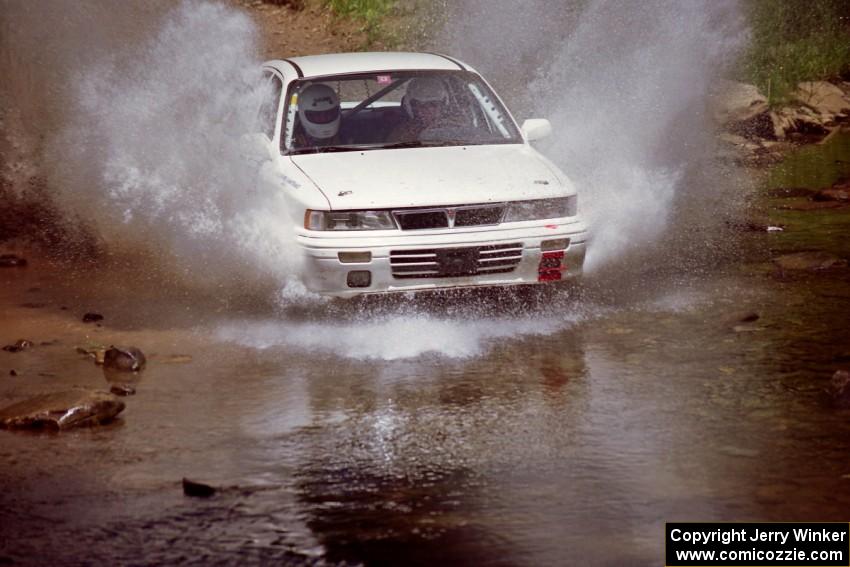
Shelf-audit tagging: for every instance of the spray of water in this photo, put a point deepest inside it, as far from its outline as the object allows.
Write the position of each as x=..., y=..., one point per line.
x=153, y=148
x=625, y=85
x=146, y=141
x=166, y=151
x=391, y=337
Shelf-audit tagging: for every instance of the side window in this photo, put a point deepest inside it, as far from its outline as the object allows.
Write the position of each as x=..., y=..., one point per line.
x=495, y=118
x=268, y=110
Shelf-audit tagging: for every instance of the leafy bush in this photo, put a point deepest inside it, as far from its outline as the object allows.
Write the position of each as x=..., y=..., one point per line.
x=794, y=41
x=370, y=12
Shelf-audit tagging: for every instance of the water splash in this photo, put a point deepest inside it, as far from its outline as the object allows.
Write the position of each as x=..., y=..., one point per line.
x=392, y=337
x=155, y=149
x=625, y=85
x=149, y=146
x=162, y=150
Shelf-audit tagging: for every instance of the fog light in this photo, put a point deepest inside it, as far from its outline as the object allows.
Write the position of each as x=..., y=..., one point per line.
x=559, y=244
x=355, y=257
x=359, y=278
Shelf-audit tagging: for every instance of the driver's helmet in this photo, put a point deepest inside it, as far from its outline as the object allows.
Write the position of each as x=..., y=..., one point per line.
x=318, y=110
x=424, y=90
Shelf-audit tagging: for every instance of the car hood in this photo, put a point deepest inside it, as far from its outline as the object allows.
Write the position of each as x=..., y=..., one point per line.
x=420, y=177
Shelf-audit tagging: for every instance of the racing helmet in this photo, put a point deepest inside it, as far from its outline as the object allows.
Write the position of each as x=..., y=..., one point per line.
x=424, y=89
x=318, y=110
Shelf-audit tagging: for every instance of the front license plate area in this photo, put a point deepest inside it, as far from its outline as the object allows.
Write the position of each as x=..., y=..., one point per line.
x=458, y=261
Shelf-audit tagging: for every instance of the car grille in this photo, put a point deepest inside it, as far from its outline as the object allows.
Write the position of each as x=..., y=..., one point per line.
x=455, y=262
x=449, y=217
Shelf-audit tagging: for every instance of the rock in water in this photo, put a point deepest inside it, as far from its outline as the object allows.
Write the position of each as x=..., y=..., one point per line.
x=832, y=194
x=809, y=261
x=92, y=317
x=11, y=261
x=96, y=352
x=62, y=410
x=840, y=387
x=21, y=344
x=197, y=489
x=124, y=359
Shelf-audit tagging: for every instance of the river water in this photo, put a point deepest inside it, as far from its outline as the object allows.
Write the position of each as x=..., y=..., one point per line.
x=487, y=429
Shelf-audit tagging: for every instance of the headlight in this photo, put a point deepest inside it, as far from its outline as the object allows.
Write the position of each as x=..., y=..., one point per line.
x=540, y=209
x=348, y=220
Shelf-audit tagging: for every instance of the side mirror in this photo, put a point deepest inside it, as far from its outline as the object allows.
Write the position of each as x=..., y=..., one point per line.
x=536, y=129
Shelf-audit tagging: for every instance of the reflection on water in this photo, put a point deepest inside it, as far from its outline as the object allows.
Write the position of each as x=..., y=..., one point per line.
x=815, y=166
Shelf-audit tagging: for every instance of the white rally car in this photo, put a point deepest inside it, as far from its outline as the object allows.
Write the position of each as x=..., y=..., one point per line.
x=405, y=172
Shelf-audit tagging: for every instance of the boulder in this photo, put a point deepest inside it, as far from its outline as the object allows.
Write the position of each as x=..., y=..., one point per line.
x=800, y=121
x=824, y=97
x=736, y=102
x=92, y=317
x=62, y=410
x=809, y=261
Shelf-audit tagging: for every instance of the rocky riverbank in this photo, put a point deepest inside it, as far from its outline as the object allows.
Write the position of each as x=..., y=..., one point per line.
x=754, y=134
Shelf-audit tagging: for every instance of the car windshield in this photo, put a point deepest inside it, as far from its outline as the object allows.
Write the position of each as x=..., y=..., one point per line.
x=387, y=110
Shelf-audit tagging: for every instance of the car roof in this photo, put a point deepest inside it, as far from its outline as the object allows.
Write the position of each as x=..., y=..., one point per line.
x=365, y=62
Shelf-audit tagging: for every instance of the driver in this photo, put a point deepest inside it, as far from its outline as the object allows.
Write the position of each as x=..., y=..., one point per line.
x=319, y=117
x=424, y=103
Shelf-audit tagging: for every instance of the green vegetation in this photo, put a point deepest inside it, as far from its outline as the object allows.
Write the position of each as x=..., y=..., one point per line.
x=794, y=41
x=371, y=13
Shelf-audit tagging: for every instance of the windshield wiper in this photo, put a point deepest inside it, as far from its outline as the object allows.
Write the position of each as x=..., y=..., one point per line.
x=324, y=149
x=420, y=144
x=406, y=144
x=389, y=146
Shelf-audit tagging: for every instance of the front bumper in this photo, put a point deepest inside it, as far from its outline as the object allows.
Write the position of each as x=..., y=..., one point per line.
x=324, y=273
